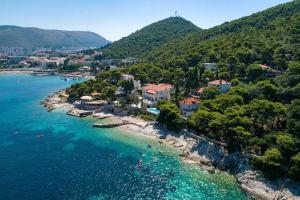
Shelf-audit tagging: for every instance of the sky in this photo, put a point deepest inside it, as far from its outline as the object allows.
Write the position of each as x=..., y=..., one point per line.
x=114, y=19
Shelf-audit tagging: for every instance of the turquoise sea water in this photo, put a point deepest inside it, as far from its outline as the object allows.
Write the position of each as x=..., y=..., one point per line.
x=74, y=161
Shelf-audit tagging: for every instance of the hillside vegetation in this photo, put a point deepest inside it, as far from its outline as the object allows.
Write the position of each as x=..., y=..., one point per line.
x=14, y=36
x=149, y=37
x=260, y=114
x=269, y=37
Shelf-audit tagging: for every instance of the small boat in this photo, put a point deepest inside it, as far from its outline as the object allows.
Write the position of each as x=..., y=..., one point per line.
x=50, y=109
x=172, y=189
x=16, y=133
x=39, y=136
x=183, y=155
x=139, y=164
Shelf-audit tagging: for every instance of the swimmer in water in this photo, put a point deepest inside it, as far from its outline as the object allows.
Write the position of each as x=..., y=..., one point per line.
x=139, y=164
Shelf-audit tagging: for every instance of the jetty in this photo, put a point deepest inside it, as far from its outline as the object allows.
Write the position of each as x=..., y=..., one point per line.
x=121, y=122
x=111, y=125
x=43, y=72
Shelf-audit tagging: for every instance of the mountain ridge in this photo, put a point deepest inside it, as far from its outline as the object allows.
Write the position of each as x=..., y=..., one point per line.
x=149, y=37
x=271, y=27
x=16, y=36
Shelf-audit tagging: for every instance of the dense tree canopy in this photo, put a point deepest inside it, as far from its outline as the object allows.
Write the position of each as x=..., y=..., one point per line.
x=170, y=116
x=150, y=37
x=267, y=37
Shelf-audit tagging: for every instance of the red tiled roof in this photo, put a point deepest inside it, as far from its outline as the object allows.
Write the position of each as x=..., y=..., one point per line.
x=153, y=88
x=217, y=82
x=265, y=67
x=151, y=91
x=95, y=94
x=190, y=101
x=167, y=85
x=200, y=90
x=269, y=69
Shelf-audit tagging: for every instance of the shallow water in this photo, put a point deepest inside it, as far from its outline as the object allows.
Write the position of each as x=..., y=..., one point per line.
x=74, y=161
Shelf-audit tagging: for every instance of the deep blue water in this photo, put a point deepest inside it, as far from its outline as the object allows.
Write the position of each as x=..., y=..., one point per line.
x=75, y=161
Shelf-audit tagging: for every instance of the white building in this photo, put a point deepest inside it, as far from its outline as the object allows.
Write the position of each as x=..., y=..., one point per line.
x=189, y=105
x=111, y=61
x=130, y=60
x=223, y=85
x=84, y=68
x=210, y=66
x=152, y=93
x=136, y=83
x=89, y=103
x=44, y=61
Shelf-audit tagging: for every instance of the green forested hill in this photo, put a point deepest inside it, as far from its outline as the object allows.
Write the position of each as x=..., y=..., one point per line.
x=154, y=35
x=15, y=36
x=259, y=115
x=269, y=37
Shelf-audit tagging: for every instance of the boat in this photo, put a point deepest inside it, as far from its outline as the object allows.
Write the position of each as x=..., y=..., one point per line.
x=50, y=109
x=112, y=125
x=139, y=164
x=39, y=136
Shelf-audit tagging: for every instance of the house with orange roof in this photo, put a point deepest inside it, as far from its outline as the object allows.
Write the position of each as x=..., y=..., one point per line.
x=189, y=105
x=197, y=93
x=270, y=71
x=223, y=85
x=152, y=93
x=200, y=91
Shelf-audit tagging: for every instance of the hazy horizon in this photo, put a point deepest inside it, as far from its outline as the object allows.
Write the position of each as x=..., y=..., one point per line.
x=116, y=19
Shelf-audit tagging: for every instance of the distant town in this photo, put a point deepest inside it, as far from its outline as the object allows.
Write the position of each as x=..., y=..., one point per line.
x=42, y=61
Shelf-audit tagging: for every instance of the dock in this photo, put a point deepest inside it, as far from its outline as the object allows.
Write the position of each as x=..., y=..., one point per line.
x=112, y=125
x=120, y=122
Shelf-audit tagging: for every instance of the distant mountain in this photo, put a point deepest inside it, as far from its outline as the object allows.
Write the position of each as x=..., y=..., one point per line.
x=269, y=37
x=15, y=36
x=149, y=37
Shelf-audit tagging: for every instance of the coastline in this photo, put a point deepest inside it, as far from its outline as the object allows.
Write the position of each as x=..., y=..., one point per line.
x=199, y=151
x=32, y=70
x=16, y=71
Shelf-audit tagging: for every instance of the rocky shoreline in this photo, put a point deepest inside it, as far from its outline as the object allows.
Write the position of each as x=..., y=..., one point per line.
x=57, y=100
x=208, y=155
